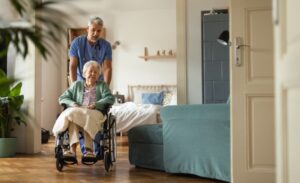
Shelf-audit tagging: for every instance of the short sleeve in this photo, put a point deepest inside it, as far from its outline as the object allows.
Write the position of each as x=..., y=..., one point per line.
x=73, y=52
x=108, y=52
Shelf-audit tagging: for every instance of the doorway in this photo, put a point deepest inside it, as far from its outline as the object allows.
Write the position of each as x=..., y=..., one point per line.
x=215, y=57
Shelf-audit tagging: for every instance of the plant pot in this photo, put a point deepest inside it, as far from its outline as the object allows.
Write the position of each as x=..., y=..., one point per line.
x=8, y=147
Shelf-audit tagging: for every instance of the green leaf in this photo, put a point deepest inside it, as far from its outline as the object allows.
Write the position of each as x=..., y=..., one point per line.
x=45, y=26
x=25, y=45
x=16, y=90
x=2, y=73
x=4, y=84
x=16, y=102
x=20, y=121
x=3, y=53
x=17, y=4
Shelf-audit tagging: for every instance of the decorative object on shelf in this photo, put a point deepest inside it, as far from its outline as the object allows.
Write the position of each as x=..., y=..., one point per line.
x=115, y=44
x=119, y=98
x=159, y=55
x=146, y=51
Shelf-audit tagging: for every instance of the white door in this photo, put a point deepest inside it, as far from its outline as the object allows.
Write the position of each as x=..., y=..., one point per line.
x=252, y=92
x=287, y=64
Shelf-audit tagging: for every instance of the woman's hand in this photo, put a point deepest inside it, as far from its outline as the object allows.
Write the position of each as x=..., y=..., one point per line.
x=92, y=106
x=75, y=105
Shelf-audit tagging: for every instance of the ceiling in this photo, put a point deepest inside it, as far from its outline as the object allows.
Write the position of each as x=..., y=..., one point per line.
x=122, y=5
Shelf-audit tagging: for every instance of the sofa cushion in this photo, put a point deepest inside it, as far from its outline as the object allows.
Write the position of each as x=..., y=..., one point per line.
x=196, y=140
x=146, y=155
x=146, y=146
x=149, y=134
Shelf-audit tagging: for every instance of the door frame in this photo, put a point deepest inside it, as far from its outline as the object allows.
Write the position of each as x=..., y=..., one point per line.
x=181, y=54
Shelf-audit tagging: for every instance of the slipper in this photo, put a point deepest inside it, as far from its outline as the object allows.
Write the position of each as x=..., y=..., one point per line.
x=69, y=153
x=89, y=155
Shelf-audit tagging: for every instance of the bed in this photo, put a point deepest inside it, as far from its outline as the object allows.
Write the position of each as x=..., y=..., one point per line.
x=142, y=105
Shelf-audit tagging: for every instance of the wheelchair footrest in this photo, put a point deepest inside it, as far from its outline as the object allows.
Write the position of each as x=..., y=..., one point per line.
x=70, y=160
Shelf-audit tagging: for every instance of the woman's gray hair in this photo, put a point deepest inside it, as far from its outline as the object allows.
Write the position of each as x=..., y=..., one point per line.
x=96, y=20
x=89, y=64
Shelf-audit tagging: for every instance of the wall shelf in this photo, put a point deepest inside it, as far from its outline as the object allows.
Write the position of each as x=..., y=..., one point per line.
x=152, y=57
x=158, y=56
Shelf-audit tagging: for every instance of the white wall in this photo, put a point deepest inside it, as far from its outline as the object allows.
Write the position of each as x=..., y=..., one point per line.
x=194, y=48
x=26, y=70
x=136, y=24
x=154, y=29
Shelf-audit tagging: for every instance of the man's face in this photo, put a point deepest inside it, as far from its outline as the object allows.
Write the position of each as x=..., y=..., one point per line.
x=94, y=31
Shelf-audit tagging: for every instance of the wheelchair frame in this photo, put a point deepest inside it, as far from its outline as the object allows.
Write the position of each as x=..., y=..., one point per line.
x=107, y=144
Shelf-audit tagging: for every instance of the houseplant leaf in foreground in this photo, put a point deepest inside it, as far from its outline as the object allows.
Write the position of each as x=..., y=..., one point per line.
x=10, y=105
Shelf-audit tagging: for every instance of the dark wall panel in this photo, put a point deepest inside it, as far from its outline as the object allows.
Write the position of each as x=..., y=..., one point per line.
x=215, y=59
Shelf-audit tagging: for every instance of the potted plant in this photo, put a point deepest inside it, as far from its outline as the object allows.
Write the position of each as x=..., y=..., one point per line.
x=37, y=24
x=10, y=105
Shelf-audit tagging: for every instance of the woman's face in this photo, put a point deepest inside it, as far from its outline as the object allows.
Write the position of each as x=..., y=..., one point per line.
x=92, y=74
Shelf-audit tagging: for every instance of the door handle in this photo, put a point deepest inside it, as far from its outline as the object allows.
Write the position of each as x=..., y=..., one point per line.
x=238, y=51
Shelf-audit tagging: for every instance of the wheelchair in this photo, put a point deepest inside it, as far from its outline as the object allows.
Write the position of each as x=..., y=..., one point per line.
x=104, y=146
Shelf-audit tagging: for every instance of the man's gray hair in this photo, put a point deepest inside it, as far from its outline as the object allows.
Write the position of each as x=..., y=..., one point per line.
x=96, y=20
x=91, y=63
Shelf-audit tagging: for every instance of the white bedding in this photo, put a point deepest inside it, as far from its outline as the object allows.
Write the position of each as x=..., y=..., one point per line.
x=129, y=115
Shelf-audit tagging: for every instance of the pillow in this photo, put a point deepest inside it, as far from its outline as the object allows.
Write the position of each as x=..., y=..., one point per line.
x=167, y=98
x=173, y=100
x=137, y=96
x=153, y=98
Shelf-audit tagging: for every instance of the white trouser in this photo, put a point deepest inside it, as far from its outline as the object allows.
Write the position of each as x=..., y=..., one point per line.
x=74, y=136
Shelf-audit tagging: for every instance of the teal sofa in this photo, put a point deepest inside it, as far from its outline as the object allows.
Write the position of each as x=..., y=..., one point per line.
x=193, y=139
x=146, y=146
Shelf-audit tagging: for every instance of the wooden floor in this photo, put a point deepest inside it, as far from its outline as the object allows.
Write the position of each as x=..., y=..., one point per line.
x=40, y=168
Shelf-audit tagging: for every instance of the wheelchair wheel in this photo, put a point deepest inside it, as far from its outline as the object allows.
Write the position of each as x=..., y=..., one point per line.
x=59, y=165
x=113, y=143
x=107, y=161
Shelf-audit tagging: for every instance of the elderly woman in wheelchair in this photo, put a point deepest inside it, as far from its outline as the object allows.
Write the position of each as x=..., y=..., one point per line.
x=84, y=101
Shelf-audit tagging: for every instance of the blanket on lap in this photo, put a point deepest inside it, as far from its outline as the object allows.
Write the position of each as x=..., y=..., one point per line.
x=89, y=120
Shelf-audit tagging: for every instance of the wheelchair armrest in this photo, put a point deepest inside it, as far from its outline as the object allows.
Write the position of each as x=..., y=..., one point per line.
x=64, y=106
x=106, y=109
